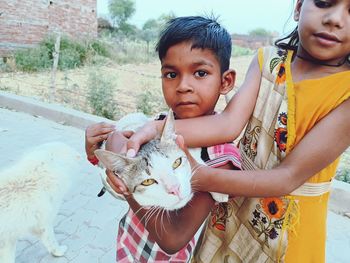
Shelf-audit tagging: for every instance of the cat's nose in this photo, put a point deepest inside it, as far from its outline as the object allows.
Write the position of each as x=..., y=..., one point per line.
x=174, y=190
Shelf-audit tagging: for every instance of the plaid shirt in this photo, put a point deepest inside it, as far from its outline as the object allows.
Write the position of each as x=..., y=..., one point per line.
x=133, y=243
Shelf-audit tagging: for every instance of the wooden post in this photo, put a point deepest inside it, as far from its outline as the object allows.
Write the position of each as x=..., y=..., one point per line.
x=55, y=55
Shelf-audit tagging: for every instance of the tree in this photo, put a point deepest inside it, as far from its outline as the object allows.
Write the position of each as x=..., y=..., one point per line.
x=121, y=11
x=152, y=27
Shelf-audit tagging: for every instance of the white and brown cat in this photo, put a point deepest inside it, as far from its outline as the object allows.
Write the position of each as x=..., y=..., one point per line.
x=31, y=191
x=160, y=174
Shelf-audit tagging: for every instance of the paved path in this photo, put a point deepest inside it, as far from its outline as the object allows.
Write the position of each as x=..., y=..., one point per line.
x=88, y=224
x=85, y=223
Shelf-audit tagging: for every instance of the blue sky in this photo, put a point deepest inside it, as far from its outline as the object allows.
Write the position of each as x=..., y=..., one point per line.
x=238, y=16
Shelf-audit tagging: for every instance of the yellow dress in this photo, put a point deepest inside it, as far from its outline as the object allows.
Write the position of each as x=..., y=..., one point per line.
x=277, y=229
x=308, y=102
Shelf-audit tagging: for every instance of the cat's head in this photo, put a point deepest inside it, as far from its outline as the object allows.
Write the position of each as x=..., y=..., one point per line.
x=160, y=174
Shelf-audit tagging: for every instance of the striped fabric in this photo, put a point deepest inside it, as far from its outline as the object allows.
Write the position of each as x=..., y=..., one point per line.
x=133, y=241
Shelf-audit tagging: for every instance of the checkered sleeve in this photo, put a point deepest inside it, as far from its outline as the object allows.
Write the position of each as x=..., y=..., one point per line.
x=219, y=155
x=135, y=245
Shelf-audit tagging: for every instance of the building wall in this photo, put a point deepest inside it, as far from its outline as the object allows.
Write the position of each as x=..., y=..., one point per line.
x=252, y=42
x=24, y=23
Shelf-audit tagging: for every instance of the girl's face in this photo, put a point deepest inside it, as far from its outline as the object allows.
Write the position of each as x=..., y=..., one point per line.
x=324, y=29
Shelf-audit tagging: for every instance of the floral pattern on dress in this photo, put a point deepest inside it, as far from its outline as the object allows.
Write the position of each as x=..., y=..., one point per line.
x=219, y=215
x=267, y=218
x=281, y=132
x=250, y=141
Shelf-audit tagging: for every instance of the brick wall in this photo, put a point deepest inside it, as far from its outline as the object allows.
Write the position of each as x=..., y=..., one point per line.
x=252, y=42
x=24, y=23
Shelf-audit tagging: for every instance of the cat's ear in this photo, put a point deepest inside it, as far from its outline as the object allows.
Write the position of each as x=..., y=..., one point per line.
x=168, y=134
x=111, y=160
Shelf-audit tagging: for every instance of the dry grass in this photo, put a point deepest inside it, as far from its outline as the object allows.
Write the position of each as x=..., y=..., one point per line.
x=71, y=85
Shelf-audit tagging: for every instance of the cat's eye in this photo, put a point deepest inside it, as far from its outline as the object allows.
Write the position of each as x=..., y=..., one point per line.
x=148, y=182
x=177, y=163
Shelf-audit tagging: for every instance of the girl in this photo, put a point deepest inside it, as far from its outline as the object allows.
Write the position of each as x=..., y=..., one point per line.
x=295, y=102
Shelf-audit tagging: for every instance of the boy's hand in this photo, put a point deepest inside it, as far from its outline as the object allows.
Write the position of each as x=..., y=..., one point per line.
x=95, y=134
x=117, y=184
x=148, y=132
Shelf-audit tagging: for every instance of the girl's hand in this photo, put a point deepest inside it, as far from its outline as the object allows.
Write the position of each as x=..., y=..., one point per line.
x=95, y=134
x=148, y=132
x=195, y=166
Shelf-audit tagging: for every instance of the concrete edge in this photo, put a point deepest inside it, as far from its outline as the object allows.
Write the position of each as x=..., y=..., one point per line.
x=54, y=112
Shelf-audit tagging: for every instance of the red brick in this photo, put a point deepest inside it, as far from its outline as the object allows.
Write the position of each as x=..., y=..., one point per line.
x=26, y=22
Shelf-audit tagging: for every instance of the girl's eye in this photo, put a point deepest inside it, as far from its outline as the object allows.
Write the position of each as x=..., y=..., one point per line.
x=200, y=73
x=170, y=75
x=148, y=182
x=177, y=163
x=322, y=4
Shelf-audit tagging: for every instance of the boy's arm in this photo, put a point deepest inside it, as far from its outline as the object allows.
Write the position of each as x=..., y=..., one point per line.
x=213, y=129
x=328, y=139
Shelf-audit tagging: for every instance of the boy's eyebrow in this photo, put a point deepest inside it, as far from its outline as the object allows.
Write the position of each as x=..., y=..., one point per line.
x=195, y=63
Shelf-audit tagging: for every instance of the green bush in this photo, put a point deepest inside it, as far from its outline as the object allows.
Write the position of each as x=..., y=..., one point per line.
x=149, y=103
x=69, y=58
x=100, y=96
x=34, y=59
x=238, y=51
x=72, y=54
x=100, y=48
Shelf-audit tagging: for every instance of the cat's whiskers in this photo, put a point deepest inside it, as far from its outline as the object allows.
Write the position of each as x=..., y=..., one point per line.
x=148, y=215
x=157, y=217
x=143, y=217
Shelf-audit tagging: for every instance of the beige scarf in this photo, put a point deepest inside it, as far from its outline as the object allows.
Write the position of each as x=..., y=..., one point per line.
x=255, y=229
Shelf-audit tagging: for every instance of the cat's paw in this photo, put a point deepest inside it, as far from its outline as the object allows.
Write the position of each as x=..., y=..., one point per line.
x=59, y=252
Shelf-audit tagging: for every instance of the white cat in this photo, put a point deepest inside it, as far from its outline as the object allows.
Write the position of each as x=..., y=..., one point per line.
x=31, y=192
x=160, y=174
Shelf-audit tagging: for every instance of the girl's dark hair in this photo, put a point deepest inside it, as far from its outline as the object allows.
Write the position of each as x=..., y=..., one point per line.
x=293, y=41
x=204, y=33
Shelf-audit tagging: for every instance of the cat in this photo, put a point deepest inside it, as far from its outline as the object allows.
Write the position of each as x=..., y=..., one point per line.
x=160, y=174
x=31, y=191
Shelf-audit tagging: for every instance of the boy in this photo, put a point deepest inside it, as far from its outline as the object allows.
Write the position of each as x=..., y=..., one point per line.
x=195, y=55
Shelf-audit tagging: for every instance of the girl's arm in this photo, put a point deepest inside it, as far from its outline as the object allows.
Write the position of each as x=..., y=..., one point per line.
x=213, y=129
x=321, y=146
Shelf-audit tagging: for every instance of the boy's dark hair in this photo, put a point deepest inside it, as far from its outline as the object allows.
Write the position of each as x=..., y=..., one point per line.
x=204, y=33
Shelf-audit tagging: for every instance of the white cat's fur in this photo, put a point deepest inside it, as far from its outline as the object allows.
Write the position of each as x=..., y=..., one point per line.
x=31, y=192
x=159, y=168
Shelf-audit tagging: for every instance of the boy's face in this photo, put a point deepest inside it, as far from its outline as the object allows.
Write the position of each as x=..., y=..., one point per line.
x=191, y=80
